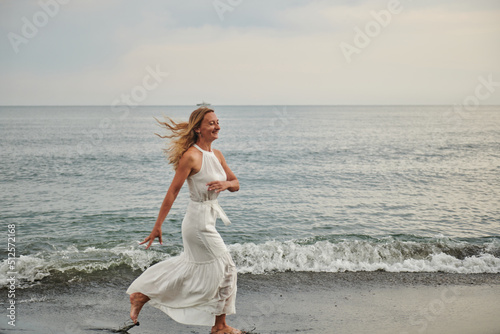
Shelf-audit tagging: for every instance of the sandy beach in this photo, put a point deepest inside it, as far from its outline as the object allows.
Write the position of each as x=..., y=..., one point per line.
x=290, y=302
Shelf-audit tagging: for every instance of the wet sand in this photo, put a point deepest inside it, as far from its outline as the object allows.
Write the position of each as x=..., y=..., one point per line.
x=291, y=302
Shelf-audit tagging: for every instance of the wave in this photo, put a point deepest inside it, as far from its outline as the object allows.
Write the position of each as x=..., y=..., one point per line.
x=318, y=254
x=368, y=255
x=76, y=263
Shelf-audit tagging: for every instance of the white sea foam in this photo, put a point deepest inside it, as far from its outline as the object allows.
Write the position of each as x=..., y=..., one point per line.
x=34, y=300
x=32, y=268
x=356, y=255
x=385, y=254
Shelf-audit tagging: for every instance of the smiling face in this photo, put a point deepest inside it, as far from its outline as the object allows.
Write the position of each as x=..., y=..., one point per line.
x=209, y=128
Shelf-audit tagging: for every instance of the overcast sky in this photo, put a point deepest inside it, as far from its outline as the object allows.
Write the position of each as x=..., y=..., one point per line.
x=277, y=52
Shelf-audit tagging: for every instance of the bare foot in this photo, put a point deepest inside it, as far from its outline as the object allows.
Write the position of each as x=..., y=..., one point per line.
x=226, y=330
x=137, y=301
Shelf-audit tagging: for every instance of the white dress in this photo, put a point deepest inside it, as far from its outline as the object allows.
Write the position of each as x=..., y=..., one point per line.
x=200, y=283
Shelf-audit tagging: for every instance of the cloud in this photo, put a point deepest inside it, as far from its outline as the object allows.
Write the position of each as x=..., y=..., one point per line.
x=262, y=53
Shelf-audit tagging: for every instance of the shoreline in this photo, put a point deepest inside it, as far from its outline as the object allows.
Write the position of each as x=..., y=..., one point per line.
x=285, y=302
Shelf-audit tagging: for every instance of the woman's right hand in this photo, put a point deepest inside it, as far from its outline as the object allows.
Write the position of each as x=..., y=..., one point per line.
x=155, y=233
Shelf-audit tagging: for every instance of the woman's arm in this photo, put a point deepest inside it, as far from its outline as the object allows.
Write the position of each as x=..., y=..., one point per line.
x=186, y=164
x=231, y=183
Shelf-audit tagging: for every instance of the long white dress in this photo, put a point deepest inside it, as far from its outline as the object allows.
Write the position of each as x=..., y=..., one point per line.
x=200, y=283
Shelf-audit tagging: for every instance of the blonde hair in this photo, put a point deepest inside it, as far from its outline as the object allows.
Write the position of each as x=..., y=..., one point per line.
x=183, y=134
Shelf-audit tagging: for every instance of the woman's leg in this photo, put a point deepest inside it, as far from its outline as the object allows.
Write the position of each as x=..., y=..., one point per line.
x=137, y=301
x=221, y=327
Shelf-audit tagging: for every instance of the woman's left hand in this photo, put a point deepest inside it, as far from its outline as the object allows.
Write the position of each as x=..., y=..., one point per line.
x=218, y=186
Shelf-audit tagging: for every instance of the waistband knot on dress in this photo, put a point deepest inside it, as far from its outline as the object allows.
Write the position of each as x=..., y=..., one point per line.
x=214, y=204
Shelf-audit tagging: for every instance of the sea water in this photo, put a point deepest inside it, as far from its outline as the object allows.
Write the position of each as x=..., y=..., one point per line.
x=322, y=188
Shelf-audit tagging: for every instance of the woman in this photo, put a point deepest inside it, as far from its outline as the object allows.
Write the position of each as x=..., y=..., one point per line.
x=199, y=286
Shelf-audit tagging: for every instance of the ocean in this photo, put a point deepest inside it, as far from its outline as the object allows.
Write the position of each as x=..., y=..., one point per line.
x=322, y=189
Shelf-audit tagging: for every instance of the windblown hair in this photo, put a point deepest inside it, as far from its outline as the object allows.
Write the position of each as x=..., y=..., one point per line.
x=183, y=134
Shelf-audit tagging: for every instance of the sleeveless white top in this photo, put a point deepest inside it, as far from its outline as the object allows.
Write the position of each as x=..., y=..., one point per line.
x=211, y=170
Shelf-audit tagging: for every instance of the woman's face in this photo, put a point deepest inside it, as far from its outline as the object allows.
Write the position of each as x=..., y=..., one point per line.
x=209, y=128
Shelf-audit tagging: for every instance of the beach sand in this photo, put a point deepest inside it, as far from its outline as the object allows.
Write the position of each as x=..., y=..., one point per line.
x=290, y=302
